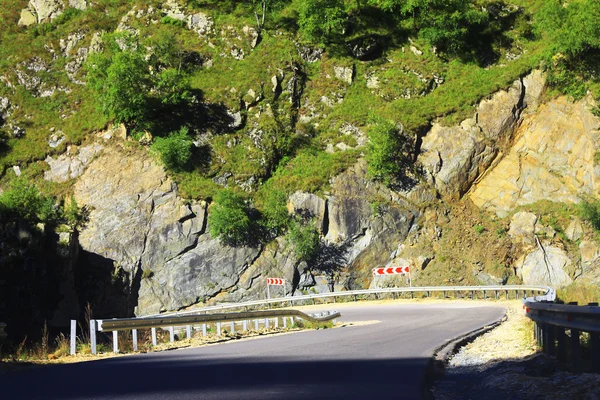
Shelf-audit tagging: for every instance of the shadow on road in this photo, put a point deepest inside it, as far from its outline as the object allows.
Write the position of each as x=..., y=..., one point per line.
x=187, y=375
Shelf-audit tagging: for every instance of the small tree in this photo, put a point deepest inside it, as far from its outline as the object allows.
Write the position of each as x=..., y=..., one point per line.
x=175, y=150
x=228, y=218
x=304, y=236
x=322, y=20
x=24, y=201
x=388, y=155
x=120, y=79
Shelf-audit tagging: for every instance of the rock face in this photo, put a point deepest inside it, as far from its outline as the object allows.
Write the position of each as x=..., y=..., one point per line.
x=455, y=157
x=552, y=158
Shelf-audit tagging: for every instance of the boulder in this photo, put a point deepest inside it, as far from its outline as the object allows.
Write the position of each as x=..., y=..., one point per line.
x=547, y=265
x=534, y=84
x=27, y=18
x=78, y=4
x=575, y=230
x=454, y=157
x=345, y=74
x=46, y=10
x=522, y=228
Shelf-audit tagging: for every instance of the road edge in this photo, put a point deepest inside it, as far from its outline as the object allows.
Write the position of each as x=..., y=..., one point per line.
x=441, y=355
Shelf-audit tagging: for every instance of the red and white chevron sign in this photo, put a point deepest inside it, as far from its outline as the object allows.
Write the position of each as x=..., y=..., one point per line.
x=275, y=281
x=391, y=271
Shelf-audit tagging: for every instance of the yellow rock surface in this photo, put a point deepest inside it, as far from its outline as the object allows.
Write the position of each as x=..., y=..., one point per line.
x=552, y=158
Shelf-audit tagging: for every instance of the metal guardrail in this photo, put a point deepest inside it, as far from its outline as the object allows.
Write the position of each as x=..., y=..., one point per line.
x=173, y=321
x=552, y=321
x=294, y=300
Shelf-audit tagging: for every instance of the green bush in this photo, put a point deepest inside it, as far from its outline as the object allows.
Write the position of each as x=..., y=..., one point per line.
x=24, y=201
x=388, y=156
x=228, y=218
x=304, y=236
x=590, y=211
x=175, y=150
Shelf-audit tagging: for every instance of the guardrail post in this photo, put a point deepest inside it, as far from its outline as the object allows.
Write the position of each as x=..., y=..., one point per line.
x=484, y=295
x=134, y=339
x=549, y=340
x=412, y=295
x=232, y=327
x=458, y=294
x=93, y=336
x=245, y=325
x=115, y=342
x=153, y=336
x=506, y=293
x=444, y=294
x=171, y=334
x=354, y=297
x=73, y=338
x=561, y=338
x=266, y=323
x=473, y=295
x=203, y=329
x=276, y=322
x=575, y=350
x=218, y=329
x=284, y=322
x=497, y=295
x=188, y=331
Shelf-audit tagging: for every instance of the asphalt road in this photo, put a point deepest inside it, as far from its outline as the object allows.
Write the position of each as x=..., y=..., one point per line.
x=387, y=359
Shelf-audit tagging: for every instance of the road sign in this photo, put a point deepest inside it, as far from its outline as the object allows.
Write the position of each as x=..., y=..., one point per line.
x=391, y=270
x=274, y=282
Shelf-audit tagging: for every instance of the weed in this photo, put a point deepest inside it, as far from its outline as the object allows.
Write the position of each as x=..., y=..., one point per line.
x=479, y=229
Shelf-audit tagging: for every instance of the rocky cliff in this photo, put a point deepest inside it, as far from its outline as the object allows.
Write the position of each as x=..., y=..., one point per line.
x=515, y=152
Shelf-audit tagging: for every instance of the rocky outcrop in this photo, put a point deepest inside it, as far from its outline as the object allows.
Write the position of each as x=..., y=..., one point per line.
x=548, y=265
x=71, y=164
x=454, y=158
x=40, y=11
x=553, y=158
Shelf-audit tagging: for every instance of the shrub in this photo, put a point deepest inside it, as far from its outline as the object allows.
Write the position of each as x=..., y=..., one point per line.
x=590, y=211
x=228, y=218
x=388, y=157
x=23, y=200
x=175, y=150
x=304, y=236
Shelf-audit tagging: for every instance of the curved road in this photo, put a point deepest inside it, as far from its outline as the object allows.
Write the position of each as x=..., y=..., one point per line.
x=386, y=359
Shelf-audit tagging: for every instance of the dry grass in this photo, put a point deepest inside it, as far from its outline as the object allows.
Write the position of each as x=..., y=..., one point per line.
x=512, y=340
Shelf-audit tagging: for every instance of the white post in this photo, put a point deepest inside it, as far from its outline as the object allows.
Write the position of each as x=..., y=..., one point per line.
x=245, y=325
x=268, y=292
x=171, y=334
x=276, y=322
x=153, y=336
x=203, y=329
x=93, y=335
x=266, y=323
x=284, y=322
x=73, y=337
x=256, y=325
x=115, y=342
x=134, y=339
x=188, y=331
x=218, y=329
x=232, y=327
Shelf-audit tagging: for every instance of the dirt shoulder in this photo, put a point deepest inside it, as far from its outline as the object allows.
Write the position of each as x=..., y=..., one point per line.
x=505, y=364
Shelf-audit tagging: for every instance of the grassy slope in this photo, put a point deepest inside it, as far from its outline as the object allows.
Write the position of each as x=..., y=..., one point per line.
x=75, y=113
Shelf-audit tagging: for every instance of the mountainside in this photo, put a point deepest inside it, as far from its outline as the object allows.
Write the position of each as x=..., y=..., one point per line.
x=160, y=155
